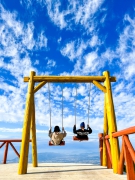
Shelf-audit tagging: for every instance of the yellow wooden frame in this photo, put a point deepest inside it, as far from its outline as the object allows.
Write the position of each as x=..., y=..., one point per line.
x=29, y=117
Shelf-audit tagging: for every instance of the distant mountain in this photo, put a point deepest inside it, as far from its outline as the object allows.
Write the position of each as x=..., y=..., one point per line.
x=51, y=157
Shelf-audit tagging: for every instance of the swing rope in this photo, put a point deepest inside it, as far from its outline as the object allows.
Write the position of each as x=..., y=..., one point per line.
x=49, y=103
x=62, y=104
x=75, y=103
x=89, y=104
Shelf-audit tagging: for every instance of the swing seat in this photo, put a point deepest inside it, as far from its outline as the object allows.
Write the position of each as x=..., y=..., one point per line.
x=61, y=144
x=75, y=138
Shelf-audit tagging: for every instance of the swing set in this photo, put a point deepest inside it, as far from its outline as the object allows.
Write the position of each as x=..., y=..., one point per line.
x=29, y=116
x=74, y=137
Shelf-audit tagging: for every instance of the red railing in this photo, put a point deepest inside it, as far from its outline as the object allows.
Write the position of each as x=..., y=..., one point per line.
x=6, y=143
x=127, y=153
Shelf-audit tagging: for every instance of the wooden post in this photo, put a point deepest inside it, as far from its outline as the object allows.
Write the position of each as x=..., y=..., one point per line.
x=129, y=163
x=121, y=161
x=130, y=147
x=109, y=158
x=33, y=131
x=22, y=169
x=112, y=123
x=105, y=132
x=5, y=153
x=100, y=135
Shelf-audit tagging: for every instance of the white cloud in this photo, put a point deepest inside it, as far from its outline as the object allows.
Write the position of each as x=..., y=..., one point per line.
x=51, y=63
x=59, y=40
x=17, y=130
x=90, y=59
x=81, y=90
x=76, y=49
x=74, y=12
x=109, y=55
x=94, y=41
x=126, y=47
x=17, y=43
x=42, y=40
x=68, y=51
x=67, y=93
x=91, y=62
x=84, y=12
x=36, y=62
x=56, y=16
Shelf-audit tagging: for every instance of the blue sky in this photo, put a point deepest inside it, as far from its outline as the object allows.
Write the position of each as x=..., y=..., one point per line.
x=66, y=38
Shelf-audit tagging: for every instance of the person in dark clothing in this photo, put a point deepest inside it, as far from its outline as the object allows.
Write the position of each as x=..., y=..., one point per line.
x=82, y=133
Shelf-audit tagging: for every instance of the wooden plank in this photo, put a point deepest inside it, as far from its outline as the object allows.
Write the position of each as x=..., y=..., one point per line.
x=70, y=79
x=130, y=130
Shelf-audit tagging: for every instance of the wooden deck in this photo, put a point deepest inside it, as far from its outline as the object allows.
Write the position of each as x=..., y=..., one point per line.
x=57, y=171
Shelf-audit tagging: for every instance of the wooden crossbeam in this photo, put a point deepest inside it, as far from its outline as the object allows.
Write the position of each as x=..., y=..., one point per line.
x=70, y=79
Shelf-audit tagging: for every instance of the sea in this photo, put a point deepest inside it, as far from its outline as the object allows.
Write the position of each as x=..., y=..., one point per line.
x=52, y=157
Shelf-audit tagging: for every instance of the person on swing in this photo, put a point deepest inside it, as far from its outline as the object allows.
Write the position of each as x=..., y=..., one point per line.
x=82, y=133
x=57, y=136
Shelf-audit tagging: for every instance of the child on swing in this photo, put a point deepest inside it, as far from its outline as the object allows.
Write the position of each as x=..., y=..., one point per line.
x=57, y=136
x=82, y=133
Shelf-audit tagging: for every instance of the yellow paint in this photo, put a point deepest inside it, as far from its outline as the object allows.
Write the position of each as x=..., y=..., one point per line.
x=105, y=132
x=112, y=123
x=100, y=86
x=22, y=169
x=33, y=131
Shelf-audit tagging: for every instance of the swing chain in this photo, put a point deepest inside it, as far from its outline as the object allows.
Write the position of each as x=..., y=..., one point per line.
x=62, y=106
x=49, y=103
x=89, y=104
x=75, y=103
